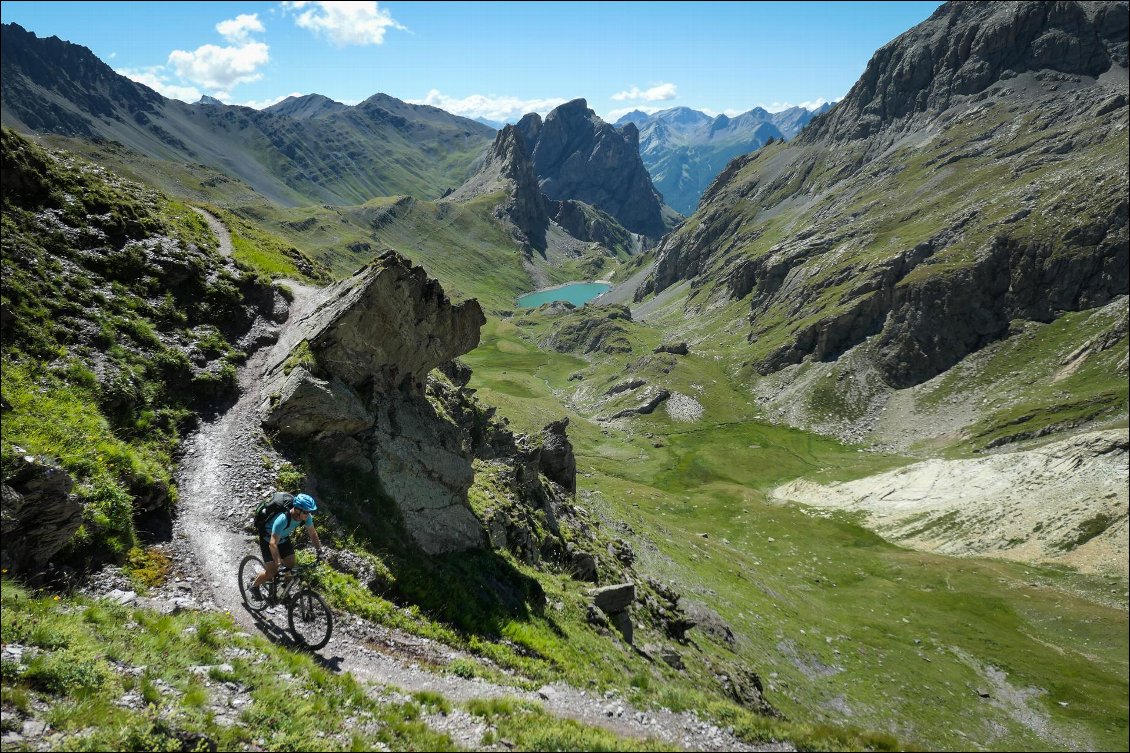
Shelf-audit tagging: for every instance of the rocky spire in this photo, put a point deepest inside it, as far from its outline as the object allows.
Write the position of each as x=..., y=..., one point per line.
x=576, y=155
x=507, y=168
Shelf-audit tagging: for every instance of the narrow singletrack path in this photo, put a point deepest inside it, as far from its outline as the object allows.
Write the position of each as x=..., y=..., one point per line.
x=222, y=475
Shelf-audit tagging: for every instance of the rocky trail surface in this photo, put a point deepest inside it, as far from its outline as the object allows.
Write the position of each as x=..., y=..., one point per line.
x=226, y=469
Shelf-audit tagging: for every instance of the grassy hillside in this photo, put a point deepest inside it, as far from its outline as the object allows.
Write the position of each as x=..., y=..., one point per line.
x=839, y=625
x=130, y=678
x=844, y=272
x=119, y=319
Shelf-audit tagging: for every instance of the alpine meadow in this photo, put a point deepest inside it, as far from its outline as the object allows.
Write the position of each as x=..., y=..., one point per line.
x=815, y=436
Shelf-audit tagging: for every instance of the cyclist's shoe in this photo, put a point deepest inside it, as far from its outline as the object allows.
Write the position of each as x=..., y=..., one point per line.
x=257, y=593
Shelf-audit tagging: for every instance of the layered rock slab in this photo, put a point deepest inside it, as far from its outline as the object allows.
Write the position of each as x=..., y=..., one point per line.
x=353, y=389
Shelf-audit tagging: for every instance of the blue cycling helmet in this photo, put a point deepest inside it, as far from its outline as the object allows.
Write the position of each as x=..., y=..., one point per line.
x=305, y=502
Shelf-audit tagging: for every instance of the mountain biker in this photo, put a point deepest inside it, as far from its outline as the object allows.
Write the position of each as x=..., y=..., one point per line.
x=274, y=540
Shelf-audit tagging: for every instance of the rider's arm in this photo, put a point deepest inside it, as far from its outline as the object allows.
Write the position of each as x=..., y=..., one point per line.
x=274, y=547
x=314, y=538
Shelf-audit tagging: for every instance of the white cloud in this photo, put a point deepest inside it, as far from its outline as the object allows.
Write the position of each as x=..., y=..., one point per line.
x=490, y=107
x=221, y=67
x=237, y=29
x=260, y=104
x=730, y=113
x=614, y=115
x=657, y=93
x=344, y=23
x=155, y=80
x=809, y=105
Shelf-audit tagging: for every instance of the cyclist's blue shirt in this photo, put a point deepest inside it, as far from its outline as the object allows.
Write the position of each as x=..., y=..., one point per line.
x=284, y=525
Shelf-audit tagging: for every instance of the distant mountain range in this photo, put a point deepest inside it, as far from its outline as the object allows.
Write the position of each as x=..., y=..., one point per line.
x=300, y=151
x=685, y=149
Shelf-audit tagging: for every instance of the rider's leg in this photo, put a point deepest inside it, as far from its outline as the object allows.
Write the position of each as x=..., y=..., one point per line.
x=270, y=568
x=269, y=572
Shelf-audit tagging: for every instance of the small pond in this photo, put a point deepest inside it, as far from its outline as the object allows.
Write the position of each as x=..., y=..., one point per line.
x=577, y=293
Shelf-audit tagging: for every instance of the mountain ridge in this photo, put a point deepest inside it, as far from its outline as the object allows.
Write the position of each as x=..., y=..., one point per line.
x=328, y=154
x=917, y=237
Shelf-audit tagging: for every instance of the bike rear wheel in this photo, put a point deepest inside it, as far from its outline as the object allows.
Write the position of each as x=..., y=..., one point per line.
x=249, y=570
x=310, y=619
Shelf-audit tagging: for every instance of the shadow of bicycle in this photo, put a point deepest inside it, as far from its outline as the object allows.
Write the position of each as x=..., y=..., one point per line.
x=281, y=636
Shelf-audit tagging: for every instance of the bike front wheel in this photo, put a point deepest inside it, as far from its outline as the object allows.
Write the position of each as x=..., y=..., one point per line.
x=249, y=570
x=310, y=619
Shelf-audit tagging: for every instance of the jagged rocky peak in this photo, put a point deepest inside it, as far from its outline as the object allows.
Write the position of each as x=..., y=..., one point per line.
x=964, y=48
x=507, y=169
x=576, y=155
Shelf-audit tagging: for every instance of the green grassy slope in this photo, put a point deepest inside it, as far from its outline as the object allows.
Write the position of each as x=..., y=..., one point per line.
x=119, y=321
x=841, y=626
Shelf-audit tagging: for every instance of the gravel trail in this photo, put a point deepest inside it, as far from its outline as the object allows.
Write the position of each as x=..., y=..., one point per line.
x=222, y=474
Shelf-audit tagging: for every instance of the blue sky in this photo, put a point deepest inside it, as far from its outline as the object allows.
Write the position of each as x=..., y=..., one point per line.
x=492, y=60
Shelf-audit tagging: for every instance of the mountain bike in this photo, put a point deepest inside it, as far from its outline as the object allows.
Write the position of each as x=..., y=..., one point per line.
x=309, y=616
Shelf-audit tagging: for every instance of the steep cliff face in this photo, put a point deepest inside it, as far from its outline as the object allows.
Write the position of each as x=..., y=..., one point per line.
x=576, y=155
x=361, y=390
x=508, y=170
x=976, y=174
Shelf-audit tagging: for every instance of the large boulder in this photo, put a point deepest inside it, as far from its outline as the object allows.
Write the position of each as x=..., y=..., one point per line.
x=615, y=598
x=387, y=326
x=352, y=389
x=38, y=513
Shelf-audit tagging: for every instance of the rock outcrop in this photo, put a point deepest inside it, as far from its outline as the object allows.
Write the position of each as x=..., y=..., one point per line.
x=576, y=155
x=38, y=514
x=587, y=223
x=371, y=388
x=354, y=387
x=615, y=601
x=507, y=169
x=557, y=461
x=590, y=329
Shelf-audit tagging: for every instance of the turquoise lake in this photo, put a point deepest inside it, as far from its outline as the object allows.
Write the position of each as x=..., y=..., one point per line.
x=577, y=294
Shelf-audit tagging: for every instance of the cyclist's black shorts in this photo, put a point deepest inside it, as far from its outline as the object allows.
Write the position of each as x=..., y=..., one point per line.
x=286, y=548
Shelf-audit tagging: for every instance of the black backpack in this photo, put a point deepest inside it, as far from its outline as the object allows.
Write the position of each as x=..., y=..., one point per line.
x=268, y=510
